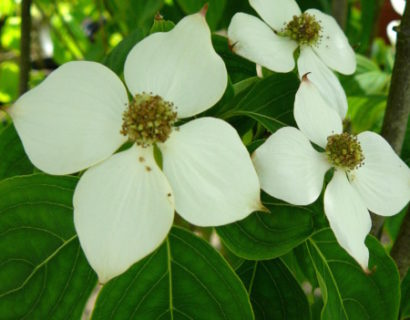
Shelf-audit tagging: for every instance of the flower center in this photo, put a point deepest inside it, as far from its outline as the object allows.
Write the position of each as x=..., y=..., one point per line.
x=344, y=150
x=148, y=119
x=304, y=29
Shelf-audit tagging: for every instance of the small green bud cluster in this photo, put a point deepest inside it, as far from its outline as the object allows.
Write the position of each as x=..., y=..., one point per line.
x=344, y=151
x=148, y=119
x=304, y=29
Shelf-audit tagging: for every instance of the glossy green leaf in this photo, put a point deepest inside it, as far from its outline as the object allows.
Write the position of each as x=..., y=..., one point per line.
x=43, y=272
x=274, y=292
x=13, y=157
x=269, y=235
x=405, y=297
x=184, y=279
x=348, y=292
x=270, y=102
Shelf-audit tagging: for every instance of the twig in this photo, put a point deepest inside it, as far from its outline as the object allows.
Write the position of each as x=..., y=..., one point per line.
x=25, y=44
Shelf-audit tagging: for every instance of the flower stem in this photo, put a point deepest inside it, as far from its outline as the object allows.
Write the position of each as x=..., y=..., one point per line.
x=25, y=44
x=395, y=124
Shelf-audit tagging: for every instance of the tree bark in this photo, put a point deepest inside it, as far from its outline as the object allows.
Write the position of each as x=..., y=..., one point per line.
x=395, y=124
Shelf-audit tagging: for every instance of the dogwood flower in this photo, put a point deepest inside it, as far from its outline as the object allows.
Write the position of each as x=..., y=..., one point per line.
x=398, y=6
x=124, y=203
x=368, y=175
x=271, y=43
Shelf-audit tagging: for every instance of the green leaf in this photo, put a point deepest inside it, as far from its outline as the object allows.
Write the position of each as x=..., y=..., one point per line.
x=134, y=14
x=366, y=112
x=116, y=58
x=238, y=67
x=348, y=292
x=214, y=13
x=43, y=272
x=184, y=279
x=270, y=102
x=13, y=157
x=161, y=25
x=264, y=236
x=274, y=292
x=405, y=297
x=370, y=12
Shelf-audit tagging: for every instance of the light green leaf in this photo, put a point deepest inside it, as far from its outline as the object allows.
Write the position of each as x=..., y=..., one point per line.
x=264, y=236
x=13, y=158
x=184, y=279
x=43, y=272
x=348, y=292
x=274, y=292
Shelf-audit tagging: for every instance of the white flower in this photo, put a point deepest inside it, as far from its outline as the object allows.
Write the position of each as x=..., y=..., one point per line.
x=398, y=6
x=368, y=175
x=124, y=204
x=272, y=42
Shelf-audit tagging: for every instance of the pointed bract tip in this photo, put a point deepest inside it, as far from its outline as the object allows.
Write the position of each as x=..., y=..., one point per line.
x=158, y=17
x=204, y=9
x=262, y=208
x=305, y=77
x=368, y=271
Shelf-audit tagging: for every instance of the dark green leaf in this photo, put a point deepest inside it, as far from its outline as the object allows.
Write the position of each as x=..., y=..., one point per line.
x=43, y=272
x=270, y=102
x=184, y=279
x=405, y=297
x=274, y=292
x=13, y=157
x=116, y=58
x=215, y=9
x=269, y=235
x=348, y=292
x=238, y=68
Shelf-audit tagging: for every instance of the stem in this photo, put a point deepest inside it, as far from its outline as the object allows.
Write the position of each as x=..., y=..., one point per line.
x=395, y=124
x=339, y=12
x=25, y=44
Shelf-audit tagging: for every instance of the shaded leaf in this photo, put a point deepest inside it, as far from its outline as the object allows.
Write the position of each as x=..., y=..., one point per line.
x=274, y=292
x=264, y=236
x=43, y=272
x=13, y=157
x=348, y=292
x=184, y=279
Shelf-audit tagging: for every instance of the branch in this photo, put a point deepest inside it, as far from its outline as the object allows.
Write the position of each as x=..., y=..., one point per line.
x=395, y=124
x=25, y=44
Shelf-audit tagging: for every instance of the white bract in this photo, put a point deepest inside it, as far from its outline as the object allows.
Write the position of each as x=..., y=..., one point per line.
x=124, y=203
x=368, y=175
x=272, y=42
x=398, y=6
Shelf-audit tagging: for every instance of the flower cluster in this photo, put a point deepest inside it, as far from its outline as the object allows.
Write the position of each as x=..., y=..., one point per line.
x=80, y=118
